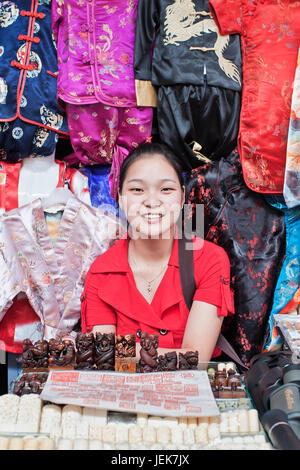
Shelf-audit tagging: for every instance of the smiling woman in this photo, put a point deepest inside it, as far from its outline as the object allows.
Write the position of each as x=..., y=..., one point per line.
x=135, y=286
x=151, y=192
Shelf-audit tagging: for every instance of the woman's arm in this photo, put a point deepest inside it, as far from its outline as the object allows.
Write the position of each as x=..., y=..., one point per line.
x=213, y=300
x=201, y=332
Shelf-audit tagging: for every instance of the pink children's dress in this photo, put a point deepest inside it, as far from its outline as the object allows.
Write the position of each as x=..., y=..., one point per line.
x=95, y=46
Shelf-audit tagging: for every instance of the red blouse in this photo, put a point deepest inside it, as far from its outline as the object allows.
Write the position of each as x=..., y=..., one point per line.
x=110, y=294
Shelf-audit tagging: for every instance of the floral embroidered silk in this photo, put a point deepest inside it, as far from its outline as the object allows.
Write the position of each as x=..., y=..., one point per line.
x=28, y=68
x=253, y=235
x=291, y=189
x=52, y=277
x=270, y=35
x=95, y=43
x=289, y=277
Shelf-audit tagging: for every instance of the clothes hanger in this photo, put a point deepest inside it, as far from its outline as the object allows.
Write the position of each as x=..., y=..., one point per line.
x=58, y=197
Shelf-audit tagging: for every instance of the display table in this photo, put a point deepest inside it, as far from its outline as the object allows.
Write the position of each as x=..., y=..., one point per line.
x=30, y=422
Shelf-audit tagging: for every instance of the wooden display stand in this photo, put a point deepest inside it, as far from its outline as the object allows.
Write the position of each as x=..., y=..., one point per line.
x=125, y=364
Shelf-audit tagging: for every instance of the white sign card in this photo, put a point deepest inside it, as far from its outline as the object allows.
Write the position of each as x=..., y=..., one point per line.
x=178, y=393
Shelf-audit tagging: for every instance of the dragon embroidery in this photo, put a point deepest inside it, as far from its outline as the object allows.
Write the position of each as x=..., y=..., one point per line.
x=182, y=23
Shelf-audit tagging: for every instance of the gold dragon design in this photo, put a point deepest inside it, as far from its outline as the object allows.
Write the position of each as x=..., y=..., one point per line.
x=182, y=23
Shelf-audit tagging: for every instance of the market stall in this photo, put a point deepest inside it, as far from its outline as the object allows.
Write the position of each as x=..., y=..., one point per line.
x=83, y=84
x=60, y=402
x=88, y=406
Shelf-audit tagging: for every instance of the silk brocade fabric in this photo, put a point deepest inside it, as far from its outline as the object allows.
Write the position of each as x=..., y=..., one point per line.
x=253, y=236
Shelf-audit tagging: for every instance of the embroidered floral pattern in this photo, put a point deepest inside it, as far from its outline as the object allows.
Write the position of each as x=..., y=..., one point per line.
x=29, y=62
x=243, y=223
x=98, y=37
x=291, y=189
x=104, y=134
x=51, y=277
x=270, y=34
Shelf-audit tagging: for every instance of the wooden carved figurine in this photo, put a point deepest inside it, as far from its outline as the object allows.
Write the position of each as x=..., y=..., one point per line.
x=35, y=356
x=105, y=351
x=61, y=353
x=148, y=354
x=167, y=362
x=84, y=351
x=125, y=346
x=30, y=383
x=125, y=353
x=189, y=360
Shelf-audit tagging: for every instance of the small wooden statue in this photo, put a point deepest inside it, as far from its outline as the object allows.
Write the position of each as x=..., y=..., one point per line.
x=85, y=347
x=105, y=351
x=167, y=362
x=61, y=353
x=148, y=354
x=189, y=360
x=125, y=346
x=35, y=356
x=125, y=353
x=30, y=383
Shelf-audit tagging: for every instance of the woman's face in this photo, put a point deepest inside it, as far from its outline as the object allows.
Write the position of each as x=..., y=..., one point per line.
x=151, y=197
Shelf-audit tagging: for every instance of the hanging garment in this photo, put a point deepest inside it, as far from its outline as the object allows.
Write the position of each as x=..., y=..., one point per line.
x=289, y=278
x=21, y=320
x=95, y=41
x=95, y=44
x=52, y=278
x=293, y=306
x=270, y=34
x=197, y=71
x=252, y=234
x=203, y=114
x=9, y=182
x=99, y=188
x=291, y=190
x=19, y=139
x=105, y=134
x=29, y=111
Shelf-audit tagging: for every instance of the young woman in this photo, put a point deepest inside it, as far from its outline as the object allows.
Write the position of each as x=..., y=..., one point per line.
x=135, y=286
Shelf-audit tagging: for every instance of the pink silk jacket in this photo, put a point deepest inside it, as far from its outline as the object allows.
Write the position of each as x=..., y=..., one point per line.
x=51, y=277
x=95, y=45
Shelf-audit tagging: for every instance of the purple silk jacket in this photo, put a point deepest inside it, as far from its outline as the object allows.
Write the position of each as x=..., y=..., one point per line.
x=95, y=48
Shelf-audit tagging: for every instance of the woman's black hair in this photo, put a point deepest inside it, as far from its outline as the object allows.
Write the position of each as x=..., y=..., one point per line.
x=145, y=150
